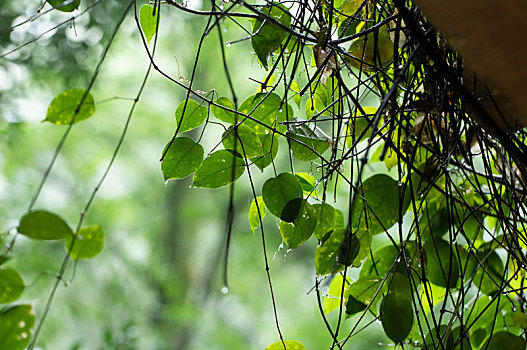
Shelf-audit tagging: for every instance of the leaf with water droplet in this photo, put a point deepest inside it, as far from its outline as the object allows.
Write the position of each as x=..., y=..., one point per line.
x=148, y=19
x=16, y=327
x=243, y=140
x=220, y=169
x=298, y=231
x=268, y=109
x=332, y=299
x=11, y=285
x=325, y=219
x=313, y=140
x=339, y=250
x=89, y=242
x=256, y=213
x=278, y=191
x=182, y=158
x=194, y=115
x=63, y=109
x=41, y=224
x=267, y=37
x=361, y=293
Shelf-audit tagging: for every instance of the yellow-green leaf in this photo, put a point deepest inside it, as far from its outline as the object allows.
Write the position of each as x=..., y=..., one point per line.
x=64, y=108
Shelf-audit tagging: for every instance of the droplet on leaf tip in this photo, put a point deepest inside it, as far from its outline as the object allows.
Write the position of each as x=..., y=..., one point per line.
x=225, y=289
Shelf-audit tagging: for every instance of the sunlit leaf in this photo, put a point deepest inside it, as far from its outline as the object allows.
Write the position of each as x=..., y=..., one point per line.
x=295, y=90
x=268, y=36
x=338, y=251
x=298, y=231
x=256, y=212
x=148, y=19
x=289, y=345
x=182, y=158
x=268, y=109
x=361, y=293
x=194, y=115
x=65, y=5
x=16, y=327
x=431, y=296
x=312, y=138
x=333, y=299
x=278, y=191
x=325, y=219
x=219, y=169
x=357, y=128
x=222, y=114
x=270, y=150
x=243, y=140
x=64, y=107
x=11, y=285
x=41, y=224
x=89, y=242
x=308, y=183
x=506, y=341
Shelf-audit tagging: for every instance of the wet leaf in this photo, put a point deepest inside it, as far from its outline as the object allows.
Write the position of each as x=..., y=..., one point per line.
x=325, y=219
x=298, y=231
x=11, y=285
x=270, y=150
x=397, y=316
x=361, y=293
x=278, y=191
x=89, y=242
x=254, y=217
x=312, y=138
x=222, y=114
x=338, y=251
x=182, y=159
x=16, y=327
x=242, y=139
x=220, y=169
x=269, y=110
x=194, y=115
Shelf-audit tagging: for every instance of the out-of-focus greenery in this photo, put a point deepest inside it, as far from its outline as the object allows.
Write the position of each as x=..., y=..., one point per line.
x=156, y=284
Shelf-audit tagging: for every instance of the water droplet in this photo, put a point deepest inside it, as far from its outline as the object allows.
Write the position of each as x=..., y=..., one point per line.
x=280, y=110
x=221, y=6
x=225, y=289
x=399, y=183
x=287, y=251
x=228, y=45
x=264, y=91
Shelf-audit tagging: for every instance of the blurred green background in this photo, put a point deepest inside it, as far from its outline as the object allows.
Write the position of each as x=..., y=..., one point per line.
x=157, y=283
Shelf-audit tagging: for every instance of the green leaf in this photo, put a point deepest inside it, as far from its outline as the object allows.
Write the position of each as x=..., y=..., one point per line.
x=65, y=5
x=383, y=259
x=295, y=89
x=270, y=150
x=278, y=191
x=397, y=316
x=219, y=169
x=89, y=243
x=289, y=344
x=442, y=266
x=267, y=36
x=148, y=19
x=364, y=236
x=268, y=109
x=333, y=297
x=16, y=327
x=338, y=251
x=41, y=224
x=357, y=127
x=242, y=138
x=63, y=107
x=520, y=319
x=11, y=285
x=339, y=219
x=194, y=115
x=433, y=221
x=254, y=217
x=325, y=219
x=298, y=232
x=506, y=341
x=308, y=183
x=361, y=294
x=312, y=137
x=375, y=205
x=489, y=271
x=222, y=114
x=182, y=158
x=440, y=340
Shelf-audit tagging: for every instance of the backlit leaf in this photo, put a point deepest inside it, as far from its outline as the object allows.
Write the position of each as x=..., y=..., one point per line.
x=338, y=251
x=269, y=36
x=222, y=114
x=219, y=169
x=88, y=243
x=243, y=140
x=298, y=232
x=254, y=217
x=62, y=109
x=325, y=219
x=11, y=285
x=270, y=150
x=194, y=115
x=16, y=327
x=289, y=344
x=182, y=158
x=397, y=316
x=312, y=138
x=268, y=109
x=148, y=19
x=332, y=299
x=278, y=191
x=361, y=293
x=41, y=224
